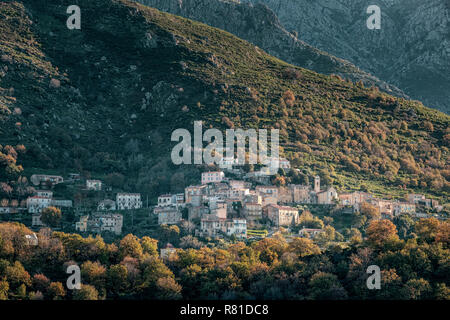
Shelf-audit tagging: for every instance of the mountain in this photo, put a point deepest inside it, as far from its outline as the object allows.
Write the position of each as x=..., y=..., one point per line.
x=105, y=99
x=259, y=25
x=410, y=51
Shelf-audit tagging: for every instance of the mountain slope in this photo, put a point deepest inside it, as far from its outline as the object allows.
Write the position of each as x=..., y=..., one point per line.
x=106, y=98
x=411, y=50
x=260, y=26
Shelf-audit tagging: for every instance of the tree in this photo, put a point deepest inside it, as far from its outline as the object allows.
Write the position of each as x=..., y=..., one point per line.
x=418, y=288
x=86, y=292
x=51, y=216
x=427, y=229
x=370, y=211
x=40, y=282
x=149, y=246
x=442, y=292
x=56, y=291
x=17, y=275
x=190, y=242
x=303, y=247
x=116, y=277
x=95, y=274
x=130, y=246
x=169, y=234
x=443, y=233
x=289, y=98
x=404, y=224
x=326, y=286
x=116, y=180
x=4, y=288
x=380, y=232
x=168, y=289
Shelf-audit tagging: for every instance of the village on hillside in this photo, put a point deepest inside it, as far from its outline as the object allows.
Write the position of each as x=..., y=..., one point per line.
x=246, y=206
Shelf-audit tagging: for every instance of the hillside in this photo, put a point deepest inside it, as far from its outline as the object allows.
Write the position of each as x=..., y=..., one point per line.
x=410, y=51
x=259, y=25
x=105, y=99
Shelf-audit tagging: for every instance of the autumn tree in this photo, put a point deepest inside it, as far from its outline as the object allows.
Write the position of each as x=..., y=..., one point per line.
x=168, y=289
x=303, y=247
x=370, y=211
x=4, y=288
x=86, y=292
x=94, y=273
x=380, y=232
x=56, y=291
x=130, y=246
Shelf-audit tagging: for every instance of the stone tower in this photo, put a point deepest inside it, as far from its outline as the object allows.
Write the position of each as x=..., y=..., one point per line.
x=316, y=184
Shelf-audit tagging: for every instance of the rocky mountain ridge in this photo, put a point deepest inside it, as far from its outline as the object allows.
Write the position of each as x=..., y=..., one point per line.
x=260, y=26
x=410, y=51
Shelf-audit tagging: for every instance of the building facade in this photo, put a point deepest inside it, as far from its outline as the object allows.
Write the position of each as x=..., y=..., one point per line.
x=212, y=176
x=282, y=215
x=169, y=215
x=128, y=201
x=95, y=185
x=37, y=204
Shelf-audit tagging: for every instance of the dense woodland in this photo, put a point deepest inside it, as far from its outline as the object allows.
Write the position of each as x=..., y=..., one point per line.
x=413, y=268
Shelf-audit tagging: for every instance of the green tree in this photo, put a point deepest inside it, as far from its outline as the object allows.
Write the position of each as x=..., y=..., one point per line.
x=56, y=291
x=17, y=275
x=86, y=292
x=303, y=247
x=168, y=289
x=130, y=246
x=4, y=288
x=149, y=245
x=94, y=273
x=51, y=216
x=326, y=286
x=116, y=279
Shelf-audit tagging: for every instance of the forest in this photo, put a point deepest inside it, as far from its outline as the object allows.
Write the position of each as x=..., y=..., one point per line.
x=415, y=267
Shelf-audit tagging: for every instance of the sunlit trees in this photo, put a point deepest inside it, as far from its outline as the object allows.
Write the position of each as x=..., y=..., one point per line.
x=130, y=246
x=427, y=229
x=17, y=275
x=271, y=268
x=443, y=233
x=417, y=288
x=303, y=247
x=149, y=246
x=95, y=274
x=86, y=292
x=56, y=291
x=380, y=232
x=4, y=288
x=168, y=289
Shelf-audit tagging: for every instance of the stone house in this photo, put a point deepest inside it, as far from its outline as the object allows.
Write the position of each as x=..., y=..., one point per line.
x=282, y=215
x=128, y=201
